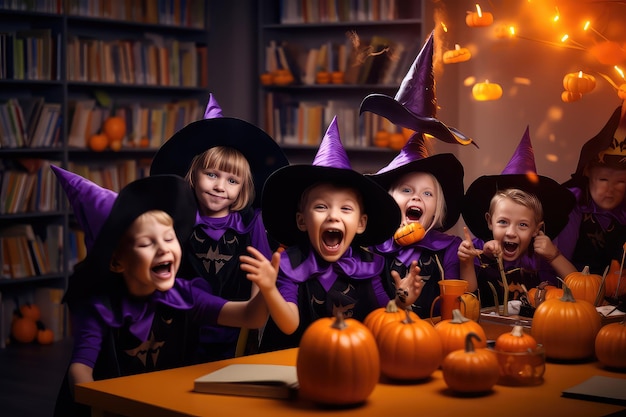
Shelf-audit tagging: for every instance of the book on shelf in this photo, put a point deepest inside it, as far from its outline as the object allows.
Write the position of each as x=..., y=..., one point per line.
x=250, y=380
x=23, y=246
x=80, y=113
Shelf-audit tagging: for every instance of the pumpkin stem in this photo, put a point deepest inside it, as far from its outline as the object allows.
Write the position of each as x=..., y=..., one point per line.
x=517, y=331
x=339, y=322
x=408, y=319
x=458, y=317
x=469, y=344
x=568, y=297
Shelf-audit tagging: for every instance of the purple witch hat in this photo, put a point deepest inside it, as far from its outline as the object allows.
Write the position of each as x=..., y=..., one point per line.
x=606, y=149
x=260, y=150
x=446, y=168
x=331, y=164
x=105, y=215
x=521, y=173
x=415, y=104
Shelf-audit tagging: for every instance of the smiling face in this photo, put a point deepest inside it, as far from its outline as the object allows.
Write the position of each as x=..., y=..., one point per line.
x=513, y=225
x=607, y=186
x=332, y=216
x=148, y=255
x=216, y=191
x=418, y=196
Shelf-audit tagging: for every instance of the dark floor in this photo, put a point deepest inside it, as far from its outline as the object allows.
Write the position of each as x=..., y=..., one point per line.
x=30, y=376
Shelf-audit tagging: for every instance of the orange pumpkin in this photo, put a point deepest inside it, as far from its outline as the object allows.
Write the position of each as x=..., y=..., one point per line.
x=470, y=306
x=543, y=291
x=515, y=341
x=614, y=290
x=45, y=336
x=453, y=332
x=471, y=370
x=579, y=82
x=381, y=139
x=114, y=127
x=144, y=142
x=322, y=77
x=570, y=97
x=486, y=91
x=410, y=349
x=337, y=77
x=338, y=362
x=566, y=327
x=610, y=345
x=586, y=286
x=409, y=233
x=23, y=330
x=116, y=145
x=376, y=319
x=266, y=78
x=98, y=142
x=282, y=77
x=30, y=311
x=456, y=55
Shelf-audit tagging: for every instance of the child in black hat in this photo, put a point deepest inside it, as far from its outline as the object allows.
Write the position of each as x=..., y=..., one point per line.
x=226, y=162
x=514, y=215
x=596, y=232
x=325, y=213
x=129, y=312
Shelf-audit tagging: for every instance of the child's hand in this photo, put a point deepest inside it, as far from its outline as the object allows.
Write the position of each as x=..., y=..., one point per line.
x=545, y=248
x=467, y=252
x=409, y=287
x=259, y=269
x=492, y=249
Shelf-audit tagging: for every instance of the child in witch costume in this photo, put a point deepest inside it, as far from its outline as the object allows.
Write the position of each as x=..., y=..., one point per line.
x=325, y=213
x=129, y=312
x=514, y=215
x=226, y=162
x=596, y=231
x=428, y=189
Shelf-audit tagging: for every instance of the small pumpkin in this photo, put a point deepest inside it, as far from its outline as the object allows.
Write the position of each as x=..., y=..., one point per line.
x=23, y=329
x=98, y=142
x=338, y=361
x=45, y=336
x=610, y=345
x=410, y=349
x=515, y=341
x=585, y=286
x=579, y=82
x=566, y=327
x=381, y=139
x=486, y=91
x=114, y=127
x=323, y=77
x=543, y=291
x=570, y=97
x=614, y=286
x=116, y=145
x=337, y=77
x=409, y=233
x=456, y=55
x=30, y=311
x=383, y=315
x=470, y=306
x=471, y=370
x=453, y=332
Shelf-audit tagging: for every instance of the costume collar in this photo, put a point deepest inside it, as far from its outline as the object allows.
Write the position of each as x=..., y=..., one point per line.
x=215, y=227
x=301, y=267
x=603, y=217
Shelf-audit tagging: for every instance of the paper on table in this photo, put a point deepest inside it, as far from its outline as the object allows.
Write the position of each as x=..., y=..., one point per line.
x=599, y=388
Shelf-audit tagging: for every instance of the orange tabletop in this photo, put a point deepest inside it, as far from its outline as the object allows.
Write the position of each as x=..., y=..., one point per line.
x=170, y=393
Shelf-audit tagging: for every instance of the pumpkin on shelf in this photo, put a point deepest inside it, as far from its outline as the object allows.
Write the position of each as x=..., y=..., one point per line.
x=566, y=327
x=381, y=139
x=409, y=233
x=337, y=77
x=397, y=140
x=23, y=329
x=322, y=77
x=515, y=341
x=282, y=77
x=114, y=127
x=410, y=349
x=453, y=332
x=30, y=311
x=45, y=336
x=338, y=362
x=586, y=286
x=376, y=319
x=98, y=142
x=610, y=345
x=471, y=370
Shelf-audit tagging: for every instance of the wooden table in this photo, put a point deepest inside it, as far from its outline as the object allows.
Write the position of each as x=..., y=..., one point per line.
x=169, y=393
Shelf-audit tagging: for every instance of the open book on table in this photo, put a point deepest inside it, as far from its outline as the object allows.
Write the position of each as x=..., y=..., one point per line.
x=252, y=380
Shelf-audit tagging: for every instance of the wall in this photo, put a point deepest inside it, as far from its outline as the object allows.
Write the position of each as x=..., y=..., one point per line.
x=557, y=129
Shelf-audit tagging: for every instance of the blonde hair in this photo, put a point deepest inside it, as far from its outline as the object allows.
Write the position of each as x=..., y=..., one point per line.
x=520, y=197
x=225, y=159
x=440, y=207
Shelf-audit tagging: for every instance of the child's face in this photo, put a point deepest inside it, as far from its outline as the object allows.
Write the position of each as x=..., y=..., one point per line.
x=148, y=257
x=607, y=186
x=216, y=191
x=514, y=226
x=332, y=217
x=415, y=194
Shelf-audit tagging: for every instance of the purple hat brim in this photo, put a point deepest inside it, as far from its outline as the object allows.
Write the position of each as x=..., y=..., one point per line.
x=284, y=188
x=556, y=200
x=449, y=173
x=389, y=108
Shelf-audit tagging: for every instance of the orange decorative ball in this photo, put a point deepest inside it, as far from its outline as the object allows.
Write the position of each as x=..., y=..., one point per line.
x=409, y=234
x=98, y=142
x=114, y=128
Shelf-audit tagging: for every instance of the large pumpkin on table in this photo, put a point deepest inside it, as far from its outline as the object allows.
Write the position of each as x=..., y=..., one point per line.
x=338, y=362
x=610, y=345
x=566, y=327
x=453, y=332
x=376, y=319
x=470, y=370
x=585, y=286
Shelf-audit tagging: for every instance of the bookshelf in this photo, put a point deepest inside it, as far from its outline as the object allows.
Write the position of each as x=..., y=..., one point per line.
x=311, y=37
x=63, y=71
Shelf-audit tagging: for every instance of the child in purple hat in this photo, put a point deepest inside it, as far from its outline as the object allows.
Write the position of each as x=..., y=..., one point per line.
x=325, y=214
x=514, y=216
x=226, y=162
x=596, y=231
x=130, y=313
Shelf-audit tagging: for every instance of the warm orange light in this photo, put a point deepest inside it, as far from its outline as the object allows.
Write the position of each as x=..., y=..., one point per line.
x=619, y=71
x=586, y=26
x=478, y=18
x=564, y=38
x=532, y=177
x=512, y=30
x=580, y=74
x=486, y=91
x=444, y=27
x=557, y=16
